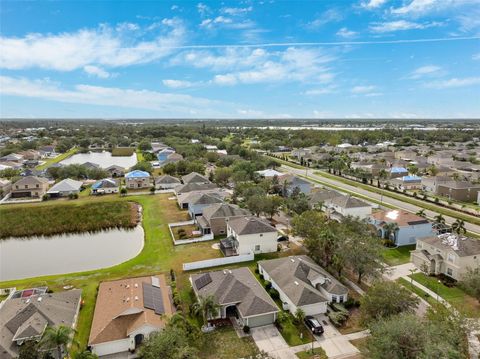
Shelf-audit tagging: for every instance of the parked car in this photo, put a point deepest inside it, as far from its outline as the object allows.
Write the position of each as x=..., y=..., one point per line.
x=314, y=325
x=282, y=238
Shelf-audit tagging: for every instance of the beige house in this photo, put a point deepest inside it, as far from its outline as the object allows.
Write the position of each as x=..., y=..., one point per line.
x=29, y=186
x=5, y=187
x=137, y=179
x=447, y=254
x=215, y=217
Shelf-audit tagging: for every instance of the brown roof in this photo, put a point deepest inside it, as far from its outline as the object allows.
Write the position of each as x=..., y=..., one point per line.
x=401, y=218
x=122, y=308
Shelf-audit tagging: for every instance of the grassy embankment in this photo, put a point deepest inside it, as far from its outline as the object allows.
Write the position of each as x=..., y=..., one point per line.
x=158, y=255
x=57, y=159
x=123, y=151
x=66, y=218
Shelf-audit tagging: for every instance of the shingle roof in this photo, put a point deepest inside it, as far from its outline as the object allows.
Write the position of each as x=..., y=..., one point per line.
x=205, y=198
x=194, y=177
x=30, y=179
x=137, y=174
x=322, y=195
x=223, y=210
x=401, y=218
x=459, y=185
x=348, y=202
x=166, y=179
x=237, y=286
x=294, y=276
x=465, y=246
x=191, y=187
x=105, y=183
x=250, y=225
x=66, y=185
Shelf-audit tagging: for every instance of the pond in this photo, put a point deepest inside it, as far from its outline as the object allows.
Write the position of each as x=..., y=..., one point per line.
x=103, y=159
x=67, y=253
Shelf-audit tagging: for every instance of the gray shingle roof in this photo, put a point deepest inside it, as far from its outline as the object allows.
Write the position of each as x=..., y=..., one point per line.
x=190, y=187
x=167, y=179
x=66, y=185
x=322, y=196
x=348, y=202
x=250, y=225
x=205, y=198
x=194, y=177
x=237, y=286
x=223, y=210
x=465, y=247
x=294, y=276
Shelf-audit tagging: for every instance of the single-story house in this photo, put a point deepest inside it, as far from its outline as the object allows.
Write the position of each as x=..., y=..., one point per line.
x=303, y=284
x=137, y=179
x=200, y=200
x=195, y=177
x=25, y=318
x=463, y=191
x=171, y=158
x=127, y=311
x=215, y=217
x=65, y=187
x=166, y=182
x=105, y=186
x=270, y=173
x=91, y=165
x=410, y=226
x=430, y=184
x=249, y=235
x=342, y=206
x=115, y=171
x=407, y=182
x=194, y=187
x=447, y=254
x=31, y=155
x=47, y=151
x=239, y=294
x=12, y=157
x=163, y=154
x=29, y=186
x=395, y=172
x=318, y=197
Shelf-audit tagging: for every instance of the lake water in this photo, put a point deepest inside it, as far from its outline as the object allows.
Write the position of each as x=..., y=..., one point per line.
x=103, y=159
x=67, y=253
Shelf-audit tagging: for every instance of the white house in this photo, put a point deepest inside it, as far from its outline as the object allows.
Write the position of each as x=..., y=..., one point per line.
x=249, y=235
x=346, y=205
x=105, y=186
x=166, y=182
x=302, y=284
x=65, y=187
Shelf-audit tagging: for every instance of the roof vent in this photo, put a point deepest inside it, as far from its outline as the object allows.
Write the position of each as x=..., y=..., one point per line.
x=229, y=271
x=296, y=283
x=136, y=297
x=127, y=286
x=128, y=299
x=224, y=272
x=136, y=285
x=39, y=299
x=292, y=260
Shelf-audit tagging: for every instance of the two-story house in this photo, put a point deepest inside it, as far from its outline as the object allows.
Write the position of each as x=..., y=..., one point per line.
x=339, y=207
x=29, y=186
x=448, y=254
x=137, y=179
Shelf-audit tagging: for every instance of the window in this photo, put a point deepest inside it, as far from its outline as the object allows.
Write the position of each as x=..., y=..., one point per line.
x=257, y=247
x=451, y=257
x=450, y=272
x=334, y=298
x=26, y=186
x=340, y=299
x=261, y=234
x=38, y=186
x=419, y=245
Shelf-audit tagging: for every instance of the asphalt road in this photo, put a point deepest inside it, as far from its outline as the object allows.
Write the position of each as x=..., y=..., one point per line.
x=378, y=197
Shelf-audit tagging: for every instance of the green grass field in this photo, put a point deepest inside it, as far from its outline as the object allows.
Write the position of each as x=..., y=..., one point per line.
x=396, y=256
x=417, y=291
x=57, y=159
x=65, y=217
x=123, y=151
x=318, y=353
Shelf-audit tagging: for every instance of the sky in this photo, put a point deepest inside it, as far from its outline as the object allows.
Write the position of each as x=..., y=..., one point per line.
x=240, y=59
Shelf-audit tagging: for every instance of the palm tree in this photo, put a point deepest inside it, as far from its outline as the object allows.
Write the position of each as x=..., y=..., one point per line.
x=456, y=176
x=382, y=175
x=412, y=168
x=439, y=219
x=459, y=226
x=56, y=338
x=432, y=170
x=390, y=230
x=207, y=307
x=85, y=355
x=421, y=213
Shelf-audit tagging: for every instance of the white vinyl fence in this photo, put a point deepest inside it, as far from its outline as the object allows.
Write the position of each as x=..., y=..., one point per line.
x=218, y=262
x=205, y=237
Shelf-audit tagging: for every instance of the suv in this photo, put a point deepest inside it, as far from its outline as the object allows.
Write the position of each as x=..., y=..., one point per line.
x=314, y=325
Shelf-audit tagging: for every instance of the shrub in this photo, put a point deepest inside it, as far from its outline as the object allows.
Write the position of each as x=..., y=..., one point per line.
x=257, y=271
x=338, y=318
x=246, y=329
x=351, y=303
x=268, y=285
x=261, y=276
x=44, y=197
x=274, y=293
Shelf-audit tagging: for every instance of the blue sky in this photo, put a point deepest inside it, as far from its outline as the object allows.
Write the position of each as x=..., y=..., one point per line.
x=240, y=59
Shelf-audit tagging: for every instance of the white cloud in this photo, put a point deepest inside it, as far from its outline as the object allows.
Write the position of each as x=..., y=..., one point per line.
x=103, y=46
x=422, y=7
x=400, y=25
x=453, y=83
x=476, y=56
x=203, y=9
x=469, y=20
x=319, y=91
x=369, y=91
x=426, y=71
x=372, y=4
x=345, y=33
x=331, y=15
x=236, y=10
x=107, y=96
x=177, y=84
x=96, y=71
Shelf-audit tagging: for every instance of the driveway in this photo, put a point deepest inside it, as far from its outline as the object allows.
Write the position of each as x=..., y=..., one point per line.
x=268, y=338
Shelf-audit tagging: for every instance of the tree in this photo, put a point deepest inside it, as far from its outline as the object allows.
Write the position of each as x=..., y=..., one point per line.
x=299, y=315
x=386, y=298
x=390, y=230
x=412, y=168
x=432, y=170
x=145, y=145
x=459, y=227
x=56, y=338
x=421, y=213
x=142, y=166
x=29, y=350
x=169, y=169
x=438, y=219
x=382, y=175
x=222, y=176
x=123, y=191
x=271, y=205
x=9, y=173
x=170, y=343
x=471, y=282
x=206, y=307
x=85, y=355
x=255, y=204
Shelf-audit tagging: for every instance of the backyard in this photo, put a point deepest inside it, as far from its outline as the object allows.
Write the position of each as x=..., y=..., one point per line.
x=398, y=255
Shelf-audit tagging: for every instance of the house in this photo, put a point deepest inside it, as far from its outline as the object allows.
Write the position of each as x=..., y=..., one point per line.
x=171, y=158
x=300, y=153
x=184, y=199
x=395, y=172
x=166, y=182
x=64, y=188
x=447, y=254
x=269, y=173
x=14, y=165
x=163, y=154
x=346, y=205
x=29, y=186
x=5, y=187
x=105, y=186
x=47, y=151
x=127, y=311
x=407, y=182
x=137, y=179
x=369, y=167
x=194, y=177
x=158, y=146
x=430, y=184
x=318, y=197
x=199, y=200
x=91, y=165
x=31, y=155
x=12, y=157
x=211, y=148
x=302, y=284
x=215, y=217
x=25, y=317
x=115, y=171
x=249, y=235
x=463, y=191
x=239, y=295
x=195, y=187
x=409, y=226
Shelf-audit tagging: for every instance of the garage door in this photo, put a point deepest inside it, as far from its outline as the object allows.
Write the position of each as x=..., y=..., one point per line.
x=21, y=194
x=261, y=320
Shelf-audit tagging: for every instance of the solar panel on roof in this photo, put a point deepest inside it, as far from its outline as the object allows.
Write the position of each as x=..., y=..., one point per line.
x=203, y=281
x=152, y=298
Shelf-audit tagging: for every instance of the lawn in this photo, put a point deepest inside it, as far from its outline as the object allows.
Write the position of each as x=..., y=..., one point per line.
x=57, y=159
x=224, y=343
x=318, y=353
x=123, y=151
x=158, y=255
x=66, y=217
x=453, y=295
x=140, y=157
x=398, y=255
x=417, y=291
x=295, y=334
x=187, y=231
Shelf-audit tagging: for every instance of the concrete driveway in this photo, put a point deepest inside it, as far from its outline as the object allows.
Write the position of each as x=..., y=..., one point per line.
x=268, y=338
